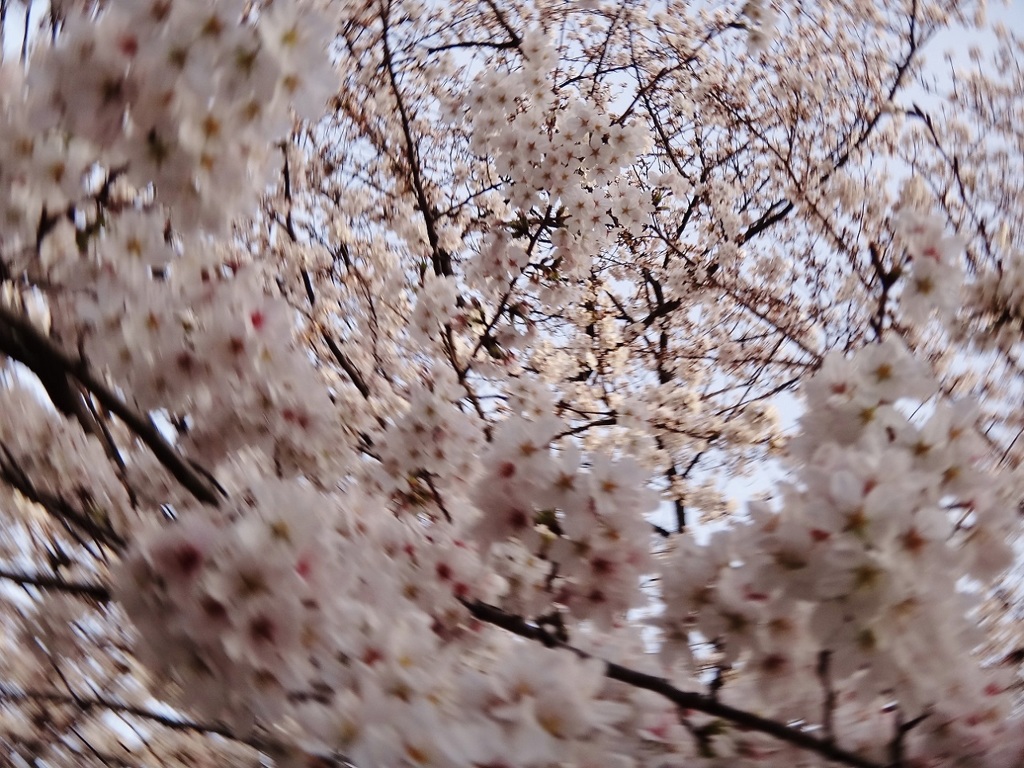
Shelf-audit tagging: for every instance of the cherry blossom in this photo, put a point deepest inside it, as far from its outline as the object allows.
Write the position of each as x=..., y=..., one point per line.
x=509, y=384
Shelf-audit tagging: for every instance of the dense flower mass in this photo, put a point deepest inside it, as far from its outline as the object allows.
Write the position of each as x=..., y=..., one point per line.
x=509, y=384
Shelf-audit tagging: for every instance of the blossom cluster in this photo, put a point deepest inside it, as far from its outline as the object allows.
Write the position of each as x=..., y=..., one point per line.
x=865, y=562
x=995, y=303
x=294, y=604
x=144, y=126
x=184, y=97
x=934, y=280
x=432, y=449
x=556, y=153
x=586, y=523
x=233, y=609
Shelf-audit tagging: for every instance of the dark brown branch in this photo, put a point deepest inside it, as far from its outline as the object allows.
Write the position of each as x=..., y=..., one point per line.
x=902, y=729
x=341, y=358
x=429, y=480
x=502, y=45
x=829, y=706
x=47, y=356
x=509, y=30
x=27, y=34
x=72, y=519
x=687, y=700
x=347, y=366
x=96, y=592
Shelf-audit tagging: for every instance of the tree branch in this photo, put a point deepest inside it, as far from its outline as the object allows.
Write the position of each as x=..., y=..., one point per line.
x=96, y=592
x=442, y=260
x=46, y=356
x=346, y=365
x=684, y=699
x=83, y=704
x=72, y=519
